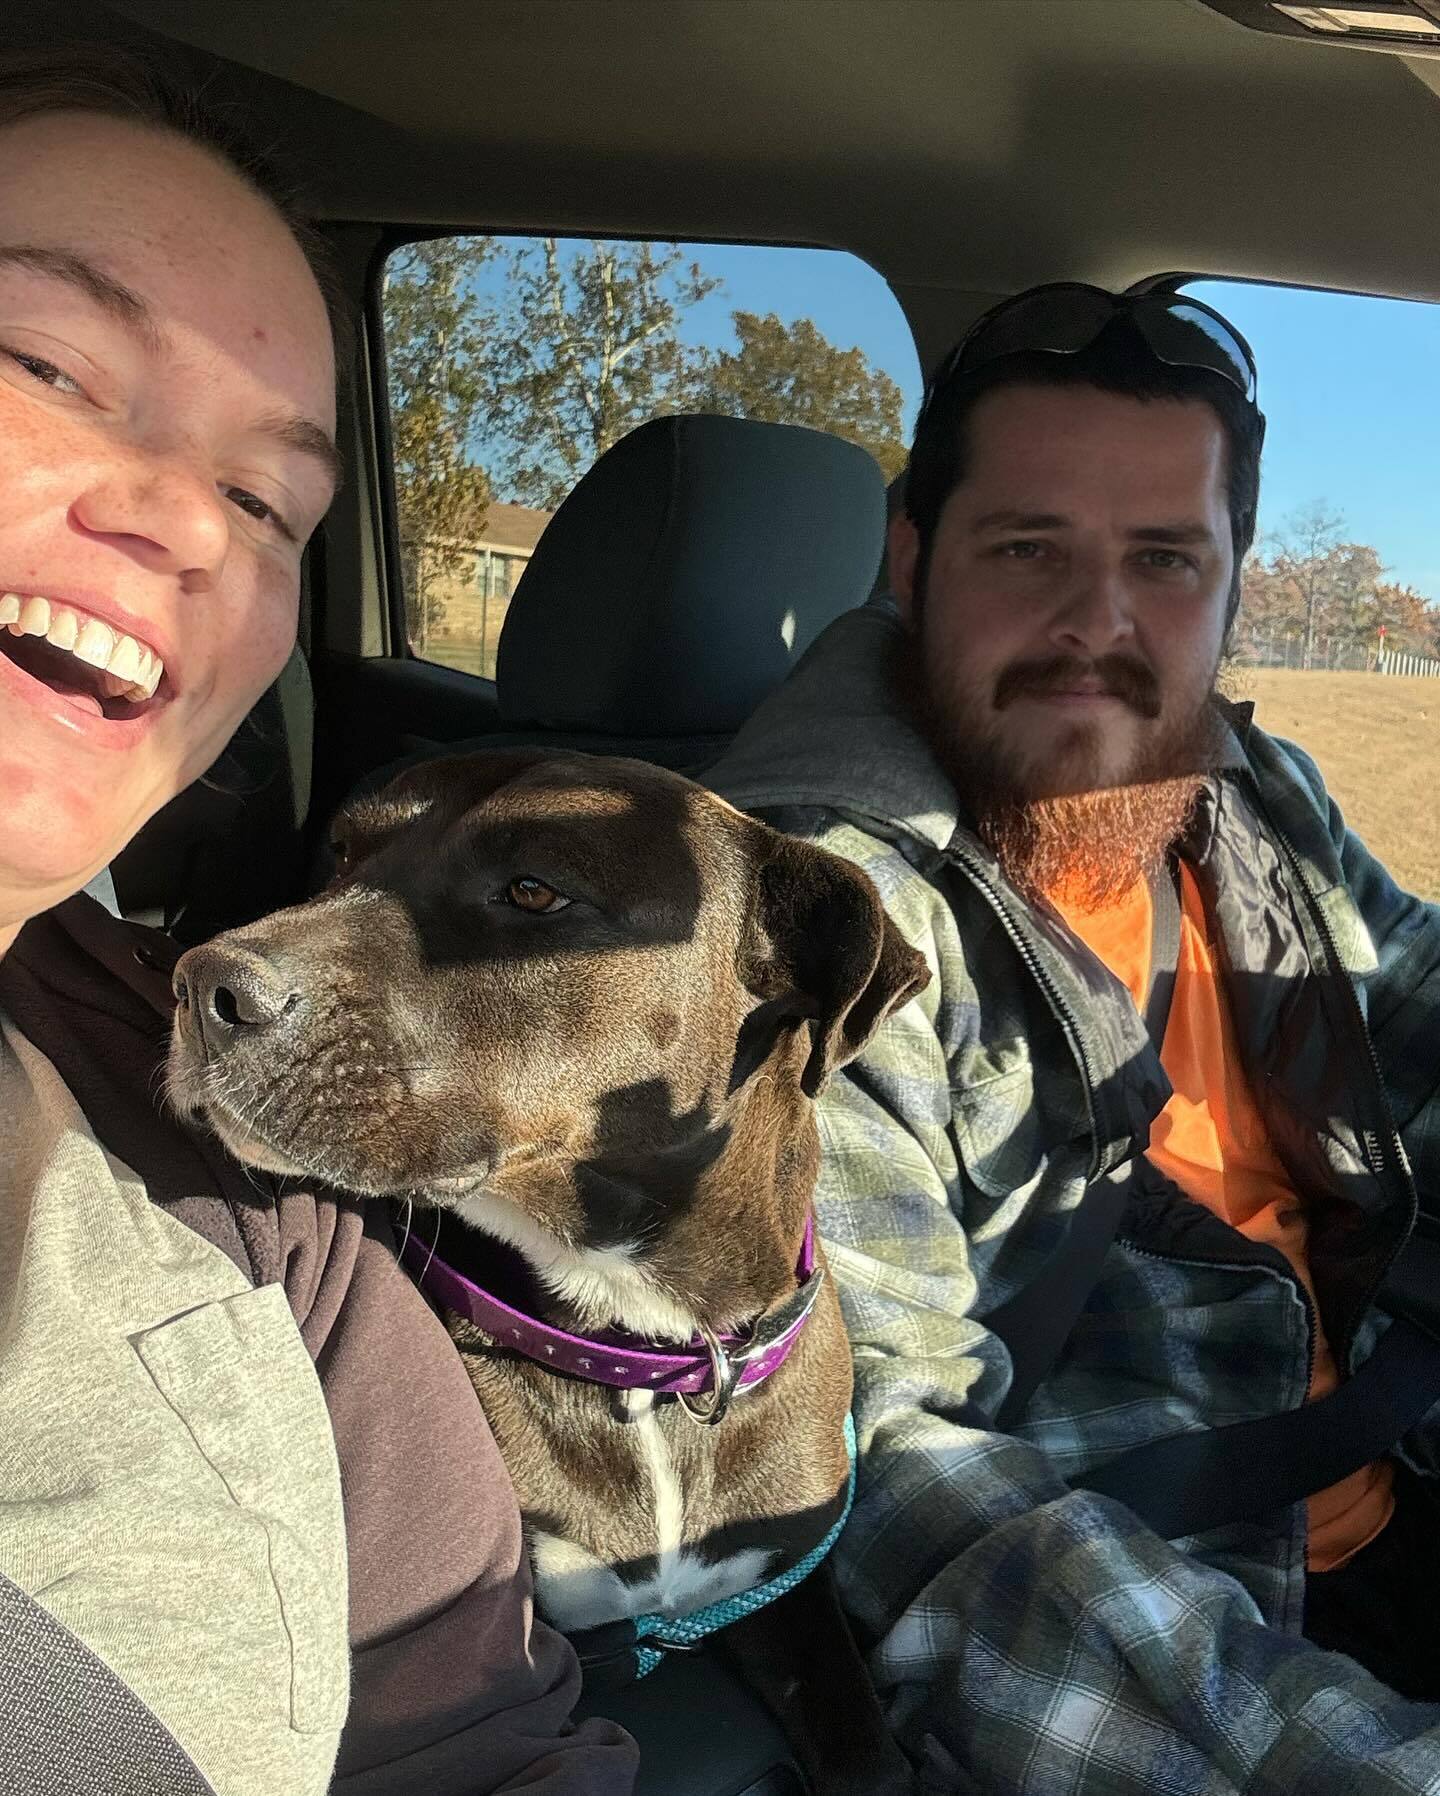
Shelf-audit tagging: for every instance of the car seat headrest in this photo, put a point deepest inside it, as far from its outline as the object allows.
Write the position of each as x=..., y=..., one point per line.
x=228, y=848
x=686, y=574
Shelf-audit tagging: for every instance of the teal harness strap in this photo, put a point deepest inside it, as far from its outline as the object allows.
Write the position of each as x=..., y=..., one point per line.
x=689, y=1630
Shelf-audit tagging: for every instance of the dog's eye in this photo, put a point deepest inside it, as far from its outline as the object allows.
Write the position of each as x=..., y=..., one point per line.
x=343, y=857
x=534, y=895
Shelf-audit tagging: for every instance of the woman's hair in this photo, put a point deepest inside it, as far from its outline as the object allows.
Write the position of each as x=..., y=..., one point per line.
x=116, y=83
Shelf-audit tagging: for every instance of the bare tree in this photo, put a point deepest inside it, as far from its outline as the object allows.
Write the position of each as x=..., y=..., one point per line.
x=1309, y=537
x=1331, y=594
x=588, y=346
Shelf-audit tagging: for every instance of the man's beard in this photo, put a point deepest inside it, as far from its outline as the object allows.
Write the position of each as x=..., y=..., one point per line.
x=1085, y=846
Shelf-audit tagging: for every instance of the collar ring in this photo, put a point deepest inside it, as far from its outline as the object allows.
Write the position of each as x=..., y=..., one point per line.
x=724, y=1377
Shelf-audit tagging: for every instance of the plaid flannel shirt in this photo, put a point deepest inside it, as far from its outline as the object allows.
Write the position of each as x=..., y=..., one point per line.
x=1029, y=1636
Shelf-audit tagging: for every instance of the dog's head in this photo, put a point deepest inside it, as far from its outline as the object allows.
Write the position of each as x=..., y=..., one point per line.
x=526, y=962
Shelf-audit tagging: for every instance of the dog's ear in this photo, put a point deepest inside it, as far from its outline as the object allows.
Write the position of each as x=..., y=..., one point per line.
x=819, y=946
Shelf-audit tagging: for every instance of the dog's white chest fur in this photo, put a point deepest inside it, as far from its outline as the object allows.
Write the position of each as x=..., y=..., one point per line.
x=577, y=1590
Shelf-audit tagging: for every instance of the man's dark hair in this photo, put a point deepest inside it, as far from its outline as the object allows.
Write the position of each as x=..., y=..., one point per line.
x=114, y=83
x=1118, y=361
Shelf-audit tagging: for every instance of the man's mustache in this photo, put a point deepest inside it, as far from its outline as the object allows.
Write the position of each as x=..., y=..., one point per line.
x=1119, y=676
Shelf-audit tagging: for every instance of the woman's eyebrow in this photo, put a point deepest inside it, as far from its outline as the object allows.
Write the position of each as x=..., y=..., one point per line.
x=112, y=296
x=307, y=438
x=127, y=307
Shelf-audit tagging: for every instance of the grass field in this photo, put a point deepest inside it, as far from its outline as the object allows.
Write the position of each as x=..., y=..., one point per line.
x=1377, y=741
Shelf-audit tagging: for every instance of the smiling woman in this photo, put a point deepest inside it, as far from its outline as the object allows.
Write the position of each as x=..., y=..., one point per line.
x=178, y=1479
x=151, y=504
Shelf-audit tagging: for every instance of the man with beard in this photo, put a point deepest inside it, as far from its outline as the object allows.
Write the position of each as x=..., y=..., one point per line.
x=1119, y=1207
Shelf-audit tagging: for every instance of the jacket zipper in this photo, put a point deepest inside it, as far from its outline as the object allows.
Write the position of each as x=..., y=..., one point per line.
x=1377, y=1142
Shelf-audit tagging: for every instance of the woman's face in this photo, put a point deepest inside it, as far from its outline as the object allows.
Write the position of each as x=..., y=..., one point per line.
x=166, y=448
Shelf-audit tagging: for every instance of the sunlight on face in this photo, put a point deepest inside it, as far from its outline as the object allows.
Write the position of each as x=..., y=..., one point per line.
x=166, y=421
x=1075, y=603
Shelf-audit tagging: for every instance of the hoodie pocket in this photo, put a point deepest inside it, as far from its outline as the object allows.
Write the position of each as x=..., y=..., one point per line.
x=238, y=1376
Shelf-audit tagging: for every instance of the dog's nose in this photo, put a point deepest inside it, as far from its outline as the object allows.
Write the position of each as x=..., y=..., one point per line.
x=232, y=994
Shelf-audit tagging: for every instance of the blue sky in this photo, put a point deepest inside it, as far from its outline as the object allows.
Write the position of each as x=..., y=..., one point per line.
x=1350, y=386
x=847, y=299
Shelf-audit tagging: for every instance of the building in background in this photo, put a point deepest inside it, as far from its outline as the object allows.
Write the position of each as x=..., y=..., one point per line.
x=470, y=605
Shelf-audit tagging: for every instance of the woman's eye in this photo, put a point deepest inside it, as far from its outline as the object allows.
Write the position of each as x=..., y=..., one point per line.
x=46, y=373
x=534, y=896
x=258, y=509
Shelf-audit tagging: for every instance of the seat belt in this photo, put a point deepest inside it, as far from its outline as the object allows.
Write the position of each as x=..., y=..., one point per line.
x=1036, y=1323
x=70, y=1726
x=1190, y=1483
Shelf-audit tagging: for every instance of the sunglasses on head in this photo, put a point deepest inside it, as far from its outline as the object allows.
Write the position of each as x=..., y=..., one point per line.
x=1066, y=317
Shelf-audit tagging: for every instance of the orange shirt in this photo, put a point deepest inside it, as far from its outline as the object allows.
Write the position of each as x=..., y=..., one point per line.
x=1211, y=1140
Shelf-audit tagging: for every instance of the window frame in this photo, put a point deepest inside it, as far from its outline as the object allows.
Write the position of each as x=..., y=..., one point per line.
x=396, y=237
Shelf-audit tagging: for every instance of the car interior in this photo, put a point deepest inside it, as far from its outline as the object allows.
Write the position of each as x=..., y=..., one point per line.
x=964, y=149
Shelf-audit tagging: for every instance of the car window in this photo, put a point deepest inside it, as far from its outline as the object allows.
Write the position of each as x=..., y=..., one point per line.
x=513, y=363
x=1337, y=641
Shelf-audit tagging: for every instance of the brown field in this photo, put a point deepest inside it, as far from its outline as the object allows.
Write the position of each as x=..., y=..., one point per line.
x=1377, y=742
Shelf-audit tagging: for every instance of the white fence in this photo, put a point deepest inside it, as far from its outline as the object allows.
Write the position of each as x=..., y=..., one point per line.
x=1333, y=656
x=1421, y=667
x=1328, y=654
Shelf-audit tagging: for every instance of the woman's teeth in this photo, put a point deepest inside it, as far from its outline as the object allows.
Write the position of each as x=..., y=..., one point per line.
x=129, y=668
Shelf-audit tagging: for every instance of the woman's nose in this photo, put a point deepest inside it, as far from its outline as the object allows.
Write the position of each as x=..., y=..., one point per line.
x=164, y=514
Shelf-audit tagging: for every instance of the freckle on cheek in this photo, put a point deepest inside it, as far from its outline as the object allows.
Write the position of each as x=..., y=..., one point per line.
x=18, y=782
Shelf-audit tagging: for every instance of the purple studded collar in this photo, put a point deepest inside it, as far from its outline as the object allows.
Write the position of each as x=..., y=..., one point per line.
x=719, y=1365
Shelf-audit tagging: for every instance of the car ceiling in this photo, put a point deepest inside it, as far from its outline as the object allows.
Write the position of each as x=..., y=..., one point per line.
x=963, y=147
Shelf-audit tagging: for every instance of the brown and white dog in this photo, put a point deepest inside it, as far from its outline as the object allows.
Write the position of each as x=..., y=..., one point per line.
x=584, y=1006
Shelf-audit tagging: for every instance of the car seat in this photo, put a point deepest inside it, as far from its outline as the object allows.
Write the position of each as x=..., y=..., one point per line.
x=231, y=846
x=679, y=583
